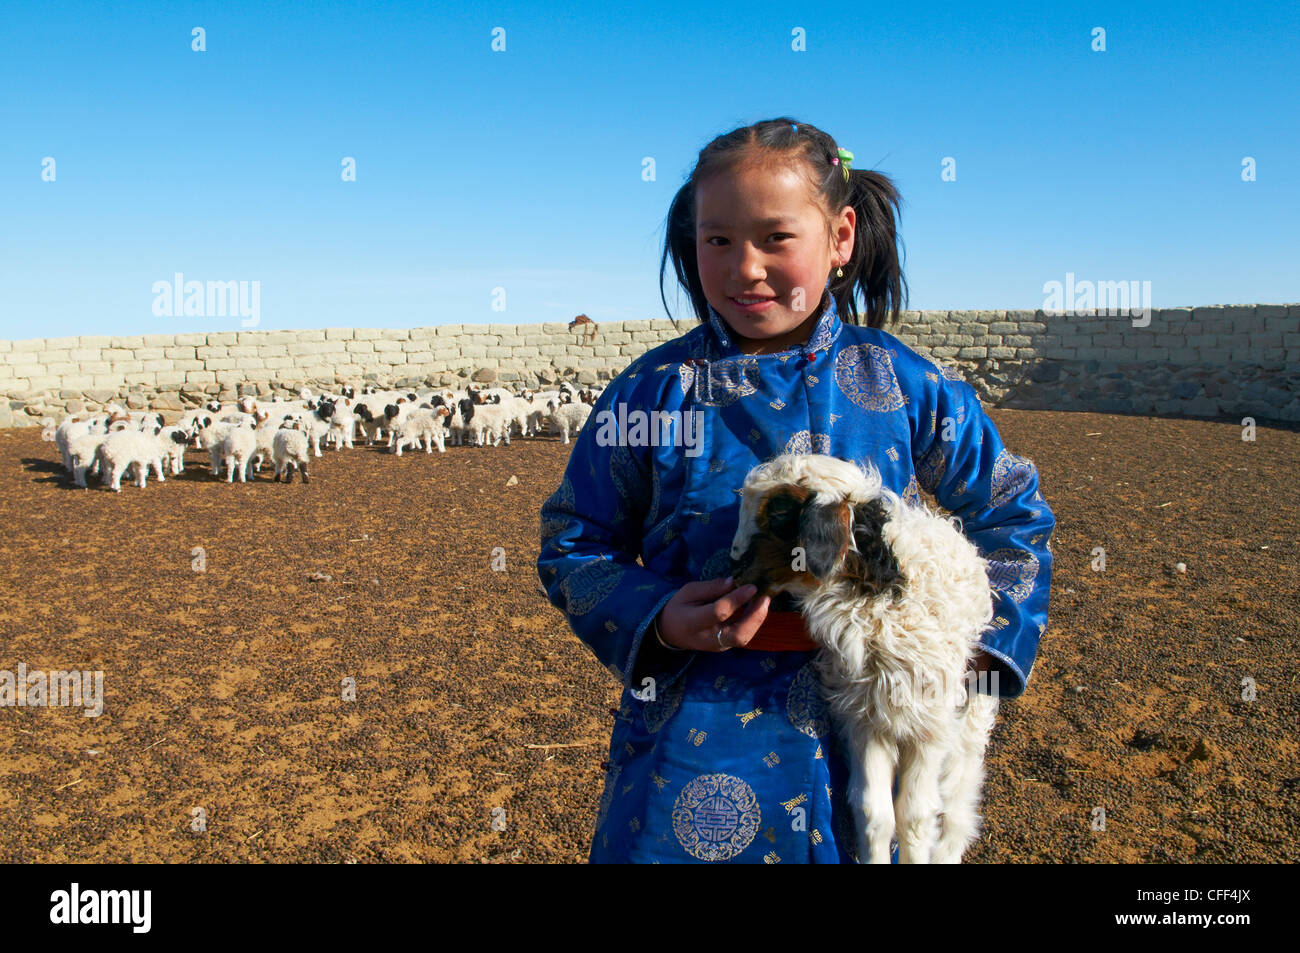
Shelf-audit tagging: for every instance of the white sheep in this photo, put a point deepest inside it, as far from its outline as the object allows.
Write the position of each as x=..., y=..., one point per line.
x=342, y=423
x=289, y=449
x=568, y=418
x=236, y=450
x=172, y=441
x=123, y=449
x=316, y=422
x=488, y=422
x=898, y=599
x=421, y=425
x=209, y=434
x=83, y=454
x=73, y=428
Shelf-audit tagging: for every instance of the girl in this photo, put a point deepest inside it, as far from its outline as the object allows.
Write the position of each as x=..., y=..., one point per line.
x=723, y=749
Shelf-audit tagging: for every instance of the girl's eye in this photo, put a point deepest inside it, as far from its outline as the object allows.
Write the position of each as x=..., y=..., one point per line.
x=709, y=240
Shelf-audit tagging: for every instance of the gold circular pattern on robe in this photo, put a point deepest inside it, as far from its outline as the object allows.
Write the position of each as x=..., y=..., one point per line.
x=716, y=817
x=717, y=566
x=589, y=584
x=805, y=706
x=805, y=442
x=1011, y=474
x=865, y=375
x=1012, y=571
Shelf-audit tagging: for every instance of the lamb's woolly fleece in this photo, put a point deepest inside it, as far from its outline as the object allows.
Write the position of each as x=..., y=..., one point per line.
x=129, y=448
x=569, y=418
x=289, y=446
x=893, y=667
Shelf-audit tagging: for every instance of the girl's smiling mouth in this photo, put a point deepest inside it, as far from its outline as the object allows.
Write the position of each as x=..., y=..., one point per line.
x=754, y=305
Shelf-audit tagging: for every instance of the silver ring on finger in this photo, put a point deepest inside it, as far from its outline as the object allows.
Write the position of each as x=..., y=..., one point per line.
x=718, y=636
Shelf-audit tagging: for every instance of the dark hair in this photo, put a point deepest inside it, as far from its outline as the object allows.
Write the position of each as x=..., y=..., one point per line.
x=874, y=267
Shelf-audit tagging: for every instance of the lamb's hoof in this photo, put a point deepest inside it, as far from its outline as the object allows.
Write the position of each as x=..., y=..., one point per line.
x=304, y=477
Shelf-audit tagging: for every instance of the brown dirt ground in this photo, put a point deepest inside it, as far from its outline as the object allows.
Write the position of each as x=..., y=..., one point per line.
x=223, y=686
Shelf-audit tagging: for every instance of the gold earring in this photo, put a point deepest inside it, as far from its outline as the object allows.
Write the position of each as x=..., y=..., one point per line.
x=839, y=272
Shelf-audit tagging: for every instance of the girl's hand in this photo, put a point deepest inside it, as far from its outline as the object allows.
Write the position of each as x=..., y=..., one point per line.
x=695, y=613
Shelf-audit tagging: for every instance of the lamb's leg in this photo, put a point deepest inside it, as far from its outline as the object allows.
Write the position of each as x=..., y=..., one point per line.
x=304, y=471
x=875, y=804
x=158, y=469
x=962, y=780
x=917, y=808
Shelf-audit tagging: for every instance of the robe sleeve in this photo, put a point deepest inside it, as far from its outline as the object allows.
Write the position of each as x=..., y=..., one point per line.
x=960, y=458
x=592, y=529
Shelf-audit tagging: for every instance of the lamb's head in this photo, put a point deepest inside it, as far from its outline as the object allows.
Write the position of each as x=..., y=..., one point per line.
x=810, y=519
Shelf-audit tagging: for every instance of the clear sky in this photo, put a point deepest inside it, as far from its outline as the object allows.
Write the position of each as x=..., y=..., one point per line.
x=521, y=169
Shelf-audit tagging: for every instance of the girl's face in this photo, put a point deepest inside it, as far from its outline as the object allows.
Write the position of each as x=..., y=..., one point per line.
x=759, y=235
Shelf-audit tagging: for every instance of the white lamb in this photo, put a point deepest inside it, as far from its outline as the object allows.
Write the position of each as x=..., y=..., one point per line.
x=421, y=425
x=568, y=418
x=209, y=434
x=342, y=424
x=75, y=427
x=488, y=422
x=125, y=449
x=173, y=441
x=83, y=454
x=236, y=450
x=289, y=449
x=898, y=598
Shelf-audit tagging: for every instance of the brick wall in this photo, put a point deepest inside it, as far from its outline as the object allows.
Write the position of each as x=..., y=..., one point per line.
x=1207, y=361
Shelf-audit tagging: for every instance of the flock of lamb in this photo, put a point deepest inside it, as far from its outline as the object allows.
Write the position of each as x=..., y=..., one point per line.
x=117, y=443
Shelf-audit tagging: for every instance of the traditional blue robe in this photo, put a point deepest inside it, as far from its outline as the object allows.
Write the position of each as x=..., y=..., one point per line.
x=732, y=756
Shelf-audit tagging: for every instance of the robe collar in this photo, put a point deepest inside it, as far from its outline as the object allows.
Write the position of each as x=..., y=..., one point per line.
x=822, y=337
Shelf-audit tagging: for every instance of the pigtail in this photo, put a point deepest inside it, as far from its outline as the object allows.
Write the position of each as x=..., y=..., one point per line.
x=875, y=269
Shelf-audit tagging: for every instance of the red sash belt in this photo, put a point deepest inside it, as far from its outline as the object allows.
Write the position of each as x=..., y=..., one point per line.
x=782, y=632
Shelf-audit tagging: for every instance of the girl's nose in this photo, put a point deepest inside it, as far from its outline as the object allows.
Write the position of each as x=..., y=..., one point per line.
x=751, y=266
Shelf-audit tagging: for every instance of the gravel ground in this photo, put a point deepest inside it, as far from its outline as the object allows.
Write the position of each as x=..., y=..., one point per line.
x=223, y=686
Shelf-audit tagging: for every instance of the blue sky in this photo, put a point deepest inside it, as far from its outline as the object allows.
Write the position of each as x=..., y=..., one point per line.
x=479, y=169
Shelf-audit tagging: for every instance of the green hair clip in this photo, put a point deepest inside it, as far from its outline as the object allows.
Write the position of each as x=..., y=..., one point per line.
x=844, y=160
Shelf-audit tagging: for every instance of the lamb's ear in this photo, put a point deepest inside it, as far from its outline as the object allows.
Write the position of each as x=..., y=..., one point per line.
x=824, y=536
x=873, y=564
